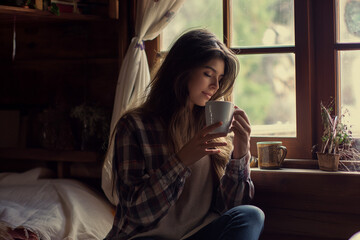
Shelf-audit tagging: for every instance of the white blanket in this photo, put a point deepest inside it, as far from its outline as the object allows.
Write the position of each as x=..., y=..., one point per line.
x=53, y=208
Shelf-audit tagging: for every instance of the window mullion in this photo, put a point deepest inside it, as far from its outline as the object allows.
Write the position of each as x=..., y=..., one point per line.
x=325, y=53
x=304, y=77
x=227, y=22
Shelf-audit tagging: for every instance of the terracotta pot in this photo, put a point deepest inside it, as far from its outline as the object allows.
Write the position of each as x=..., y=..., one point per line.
x=328, y=161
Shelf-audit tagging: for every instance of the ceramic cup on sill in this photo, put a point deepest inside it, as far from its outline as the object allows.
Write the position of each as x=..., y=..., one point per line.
x=271, y=154
x=219, y=111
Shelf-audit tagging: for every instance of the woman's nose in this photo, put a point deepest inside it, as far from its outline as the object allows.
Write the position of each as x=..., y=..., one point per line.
x=215, y=83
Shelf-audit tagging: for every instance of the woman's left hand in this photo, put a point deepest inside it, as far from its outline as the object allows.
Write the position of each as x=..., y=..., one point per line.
x=242, y=129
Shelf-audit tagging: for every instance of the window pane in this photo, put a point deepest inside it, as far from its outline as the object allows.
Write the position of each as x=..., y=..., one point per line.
x=262, y=23
x=350, y=88
x=265, y=89
x=194, y=14
x=348, y=19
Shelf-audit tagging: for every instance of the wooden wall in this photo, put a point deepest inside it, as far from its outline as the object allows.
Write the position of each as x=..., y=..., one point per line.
x=308, y=204
x=74, y=59
x=59, y=64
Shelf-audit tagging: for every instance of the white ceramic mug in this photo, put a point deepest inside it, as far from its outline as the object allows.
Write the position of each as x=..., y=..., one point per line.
x=219, y=111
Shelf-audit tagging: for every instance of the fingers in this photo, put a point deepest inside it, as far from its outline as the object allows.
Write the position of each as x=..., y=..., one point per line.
x=210, y=148
x=241, y=113
x=212, y=151
x=209, y=128
x=241, y=121
x=205, y=134
x=201, y=144
x=207, y=144
x=212, y=136
x=241, y=125
x=210, y=145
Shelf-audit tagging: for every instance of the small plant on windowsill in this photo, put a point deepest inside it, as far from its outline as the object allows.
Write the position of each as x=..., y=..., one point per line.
x=337, y=140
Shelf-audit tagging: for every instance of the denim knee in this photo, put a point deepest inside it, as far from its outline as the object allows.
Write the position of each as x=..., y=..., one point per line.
x=247, y=213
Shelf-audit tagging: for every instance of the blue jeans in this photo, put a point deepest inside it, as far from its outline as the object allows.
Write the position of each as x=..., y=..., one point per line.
x=244, y=222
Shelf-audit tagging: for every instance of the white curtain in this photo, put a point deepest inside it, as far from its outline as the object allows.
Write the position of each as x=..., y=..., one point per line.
x=151, y=17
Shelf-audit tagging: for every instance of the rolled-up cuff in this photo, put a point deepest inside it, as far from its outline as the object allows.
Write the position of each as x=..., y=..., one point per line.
x=239, y=169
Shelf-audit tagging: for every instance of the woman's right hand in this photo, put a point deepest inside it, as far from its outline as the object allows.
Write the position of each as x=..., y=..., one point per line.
x=201, y=144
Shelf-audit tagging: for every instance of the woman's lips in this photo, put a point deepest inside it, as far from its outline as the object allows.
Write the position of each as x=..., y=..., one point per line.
x=208, y=95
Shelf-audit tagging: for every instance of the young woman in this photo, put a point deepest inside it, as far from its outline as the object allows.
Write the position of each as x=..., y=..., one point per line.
x=173, y=178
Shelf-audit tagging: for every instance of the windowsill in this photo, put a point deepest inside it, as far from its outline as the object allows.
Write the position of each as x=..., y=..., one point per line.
x=302, y=171
x=312, y=164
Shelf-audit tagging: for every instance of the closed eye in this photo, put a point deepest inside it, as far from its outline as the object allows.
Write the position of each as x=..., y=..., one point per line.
x=212, y=70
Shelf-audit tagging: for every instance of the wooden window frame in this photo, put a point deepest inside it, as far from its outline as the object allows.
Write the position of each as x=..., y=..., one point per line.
x=316, y=72
x=299, y=146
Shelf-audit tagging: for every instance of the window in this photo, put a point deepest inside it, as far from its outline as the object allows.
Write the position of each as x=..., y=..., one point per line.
x=194, y=14
x=265, y=87
x=288, y=64
x=348, y=58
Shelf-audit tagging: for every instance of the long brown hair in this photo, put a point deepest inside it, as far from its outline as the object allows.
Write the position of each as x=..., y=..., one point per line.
x=168, y=91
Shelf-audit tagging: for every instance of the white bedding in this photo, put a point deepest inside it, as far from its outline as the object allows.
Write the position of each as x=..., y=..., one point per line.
x=53, y=208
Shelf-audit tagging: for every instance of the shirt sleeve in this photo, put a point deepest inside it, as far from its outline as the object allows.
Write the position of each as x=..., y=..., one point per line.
x=236, y=186
x=145, y=193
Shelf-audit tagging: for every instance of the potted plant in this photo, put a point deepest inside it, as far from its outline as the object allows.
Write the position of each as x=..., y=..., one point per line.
x=336, y=140
x=94, y=124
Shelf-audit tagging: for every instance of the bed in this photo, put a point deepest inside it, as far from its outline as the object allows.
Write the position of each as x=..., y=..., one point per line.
x=33, y=205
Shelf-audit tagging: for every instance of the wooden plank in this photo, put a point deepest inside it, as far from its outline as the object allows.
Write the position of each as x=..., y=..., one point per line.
x=301, y=163
x=47, y=77
x=308, y=203
x=47, y=155
x=308, y=190
x=7, y=13
x=21, y=11
x=114, y=9
x=62, y=40
x=282, y=236
x=264, y=50
x=311, y=224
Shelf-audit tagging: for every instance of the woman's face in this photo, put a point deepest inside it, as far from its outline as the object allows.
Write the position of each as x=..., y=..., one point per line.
x=204, y=81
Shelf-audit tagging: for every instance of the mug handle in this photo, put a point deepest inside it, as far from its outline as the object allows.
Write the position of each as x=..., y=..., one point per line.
x=283, y=154
x=232, y=117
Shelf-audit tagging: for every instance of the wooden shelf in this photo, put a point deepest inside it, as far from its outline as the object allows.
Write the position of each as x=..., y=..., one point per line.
x=63, y=159
x=7, y=13
x=48, y=155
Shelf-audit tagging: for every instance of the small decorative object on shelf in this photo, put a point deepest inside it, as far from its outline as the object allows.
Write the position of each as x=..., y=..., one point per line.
x=56, y=9
x=17, y=3
x=50, y=6
x=67, y=6
x=46, y=5
x=337, y=140
x=93, y=7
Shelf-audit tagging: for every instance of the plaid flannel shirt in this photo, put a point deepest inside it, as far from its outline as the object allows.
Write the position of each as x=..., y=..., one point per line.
x=150, y=179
